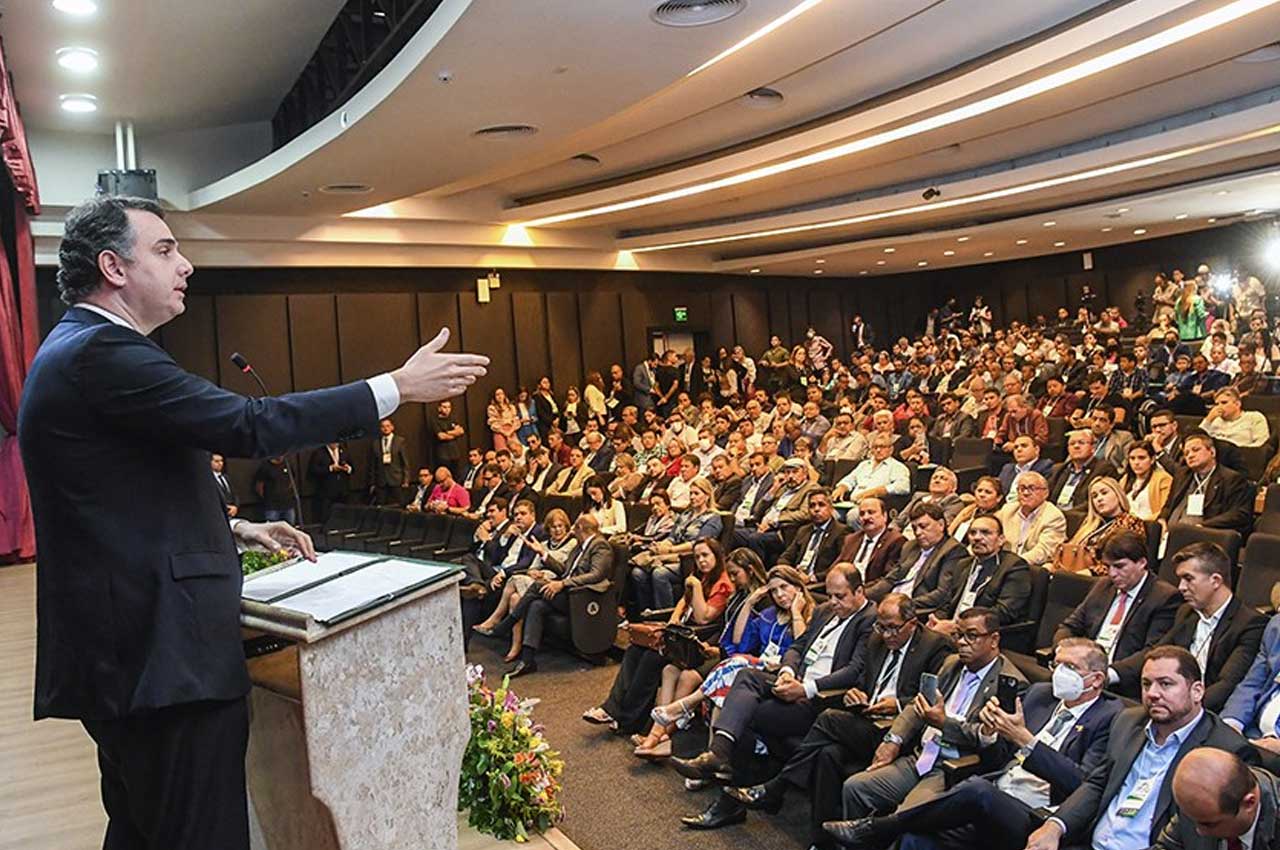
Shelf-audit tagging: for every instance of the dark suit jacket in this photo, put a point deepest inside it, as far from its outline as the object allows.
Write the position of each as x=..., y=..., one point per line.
x=593, y=568
x=603, y=459
x=828, y=548
x=138, y=603
x=925, y=654
x=1146, y=620
x=1235, y=642
x=1006, y=590
x=495, y=550
x=1180, y=833
x=1081, y=811
x=1228, y=499
x=1059, y=408
x=394, y=474
x=727, y=493
x=758, y=505
x=228, y=495
x=962, y=425
x=883, y=556
x=1008, y=472
x=850, y=657
x=937, y=571
x=475, y=481
x=1095, y=468
x=330, y=485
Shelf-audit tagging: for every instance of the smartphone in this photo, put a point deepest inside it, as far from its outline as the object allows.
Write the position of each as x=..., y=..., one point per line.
x=929, y=687
x=1007, y=694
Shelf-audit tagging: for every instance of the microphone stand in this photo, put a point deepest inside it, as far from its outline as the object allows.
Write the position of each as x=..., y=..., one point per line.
x=244, y=366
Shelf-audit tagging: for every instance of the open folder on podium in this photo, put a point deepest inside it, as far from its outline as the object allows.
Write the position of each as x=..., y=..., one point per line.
x=341, y=585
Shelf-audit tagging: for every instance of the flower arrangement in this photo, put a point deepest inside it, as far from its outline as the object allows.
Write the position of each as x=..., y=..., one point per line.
x=510, y=775
x=255, y=560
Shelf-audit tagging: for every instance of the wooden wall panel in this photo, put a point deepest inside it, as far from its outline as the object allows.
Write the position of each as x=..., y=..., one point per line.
x=256, y=326
x=797, y=294
x=1045, y=295
x=564, y=336
x=533, y=360
x=1015, y=302
x=438, y=310
x=487, y=329
x=779, y=313
x=191, y=339
x=313, y=323
x=600, y=314
x=635, y=322
x=751, y=318
x=722, y=323
x=824, y=309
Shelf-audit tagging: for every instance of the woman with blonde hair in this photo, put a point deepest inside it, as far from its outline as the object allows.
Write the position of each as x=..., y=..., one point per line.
x=504, y=419
x=1108, y=515
x=1145, y=482
x=1189, y=313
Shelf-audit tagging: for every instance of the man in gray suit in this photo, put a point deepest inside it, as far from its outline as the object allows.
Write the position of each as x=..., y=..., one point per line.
x=388, y=466
x=1221, y=801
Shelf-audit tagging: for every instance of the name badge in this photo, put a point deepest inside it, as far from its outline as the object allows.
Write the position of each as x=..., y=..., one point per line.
x=772, y=655
x=1064, y=498
x=386, y=457
x=1133, y=803
x=1195, y=504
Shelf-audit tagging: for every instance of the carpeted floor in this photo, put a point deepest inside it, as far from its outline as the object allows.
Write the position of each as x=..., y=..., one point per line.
x=612, y=799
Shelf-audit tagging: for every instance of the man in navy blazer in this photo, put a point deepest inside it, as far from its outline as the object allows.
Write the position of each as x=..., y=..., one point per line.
x=138, y=577
x=1071, y=719
x=1253, y=709
x=1026, y=458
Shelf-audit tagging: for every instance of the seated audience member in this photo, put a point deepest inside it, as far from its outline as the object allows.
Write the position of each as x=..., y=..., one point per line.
x=1128, y=382
x=1108, y=516
x=1146, y=483
x=706, y=449
x=754, y=491
x=627, y=480
x=446, y=497
x=727, y=481
x=573, y=477
x=987, y=500
x=1026, y=458
x=786, y=508
x=501, y=544
x=818, y=542
x=1069, y=486
x=656, y=571
x=1206, y=492
x=589, y=564
x=706, y=592
x=678, y=486
x=1109, y=443
x=803, y=450
x=782, y=704
x=1221, y=633
x=649, y=448
x=1253, y=709
x=1195, y=393
x=992, y=578
x=610, y=514
x=916, y=447
x=1218, y=797
x=843, y=740
x=1127, y=802
x=655, y=481
x=1128, y=611
x=1057, y=736
x=876, y=545
x=941, y=492
x=659, y=525
x=1165, y=440
x=548, y=562
x=1021, y=419
x=1034, y=527
x=1056, y=403
x=471, y=475
x=1227, y=420
x=1097, y=398
x=879, y=475
x=225, y=491
x=598, y=455
x=762, y=639
x=493, y=486
x=542, y=472
x=842, y=442
x=952, y=423
x=927, y=559
x=907, y=767
x=991, y=416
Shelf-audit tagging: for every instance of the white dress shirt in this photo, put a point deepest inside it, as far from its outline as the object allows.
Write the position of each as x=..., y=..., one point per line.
x=1204, y=633
x=1022, y=784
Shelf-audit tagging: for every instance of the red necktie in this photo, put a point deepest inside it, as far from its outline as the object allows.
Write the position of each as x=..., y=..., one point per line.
x=1118, y=617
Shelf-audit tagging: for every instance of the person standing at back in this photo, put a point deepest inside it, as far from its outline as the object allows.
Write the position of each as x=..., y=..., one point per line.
x=138, y=578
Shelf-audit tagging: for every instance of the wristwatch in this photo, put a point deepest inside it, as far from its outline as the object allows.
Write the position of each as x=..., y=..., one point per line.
x=890, y=738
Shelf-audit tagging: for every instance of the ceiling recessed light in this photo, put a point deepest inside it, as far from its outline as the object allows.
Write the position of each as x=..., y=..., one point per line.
x=1211, y=220
x=1221, y=192
x=79, y=60
x=78, y=103
x=890, y=250
x=880, y=262
x=817, y=271
x=1179, y=216
x=1107, y=229
x=79, y=8
x=1021, y=242
x=963, y=239
x=1141, y=231
x=1050, y=223
x=988, y=253
x=819, y=262
x=589, y=159
x=948, y=253
x=864, y=271
x=1059, y=244
x=378, y=13
x=923, y=263
x=1123, y=210
x=755, y=271
x=695, y=13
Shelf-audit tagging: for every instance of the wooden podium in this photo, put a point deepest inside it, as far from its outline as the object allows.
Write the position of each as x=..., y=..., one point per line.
x=358, y=728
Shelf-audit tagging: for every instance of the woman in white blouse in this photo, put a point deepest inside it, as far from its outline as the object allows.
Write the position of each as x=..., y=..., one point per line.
x=599, y=502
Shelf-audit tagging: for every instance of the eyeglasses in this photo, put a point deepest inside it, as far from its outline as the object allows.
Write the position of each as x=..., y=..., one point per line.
x=971, y=637
x=885, y=629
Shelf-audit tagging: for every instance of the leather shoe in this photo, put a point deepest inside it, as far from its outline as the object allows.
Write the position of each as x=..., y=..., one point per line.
x=521, y=668
x=852, y=833
x=720, y=813
x=767, y=797
x=705, y=766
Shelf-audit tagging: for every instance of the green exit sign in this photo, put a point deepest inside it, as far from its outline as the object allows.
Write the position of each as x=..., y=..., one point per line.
x=681, y=314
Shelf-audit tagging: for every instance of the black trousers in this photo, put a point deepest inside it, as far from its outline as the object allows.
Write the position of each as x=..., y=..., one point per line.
x=535, y=608
x=634, y=688
x=174, y=778
x=751, y=712
x=838, y=745
x=975, y=814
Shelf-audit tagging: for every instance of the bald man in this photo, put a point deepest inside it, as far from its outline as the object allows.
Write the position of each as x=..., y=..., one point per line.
x=1221, y=802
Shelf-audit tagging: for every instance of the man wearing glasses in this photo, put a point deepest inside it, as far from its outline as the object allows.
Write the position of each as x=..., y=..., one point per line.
x=992, y=578
x=907, y=767
x=1057, y=735
x=843, y=740
x=1033, y=527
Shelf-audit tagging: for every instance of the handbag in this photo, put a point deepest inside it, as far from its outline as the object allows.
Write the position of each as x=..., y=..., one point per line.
x=681, y=647
x=647, y=635
x=1074, y=558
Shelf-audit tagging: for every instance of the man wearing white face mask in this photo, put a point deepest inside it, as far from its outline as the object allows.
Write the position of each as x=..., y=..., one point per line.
x=707, y=450
x=1071, y=719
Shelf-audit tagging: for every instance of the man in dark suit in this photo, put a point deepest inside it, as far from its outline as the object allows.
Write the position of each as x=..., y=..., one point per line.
x=843, y=740
x=492, y=486
x=875, y=548
x=814, y=548
x=217, y=464
x=952, y=423
x=1026, y=458
x=941, y=492
x=1129, y=610
x=907, y=767
x=926, y=561
x=330, y=470
x=826, y=657
x=1069, y=485
x=754, y=498
x=388, y=466
x=145, y=648
x=1206, y=493
x=1128, y=799
x=1056, y=403
x=1219, y=800
x=991, y=578
x=1055, y=738
x=728, y=482
x=1219, y=631
x=470, y=477
x=785, y=507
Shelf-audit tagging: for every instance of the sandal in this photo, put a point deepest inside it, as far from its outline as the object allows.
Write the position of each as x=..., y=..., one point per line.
x=661, y=716
x=599, y=716
x=658, y=751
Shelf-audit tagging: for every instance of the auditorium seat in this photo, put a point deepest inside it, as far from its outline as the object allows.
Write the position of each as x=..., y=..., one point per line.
x=1020, y=636
x=366, y=520
x=1259, y=571
x=970, y=457
x=591, y=626
x=390, y=522
x=435, y=532
x=413, y=530
x=1184, y=533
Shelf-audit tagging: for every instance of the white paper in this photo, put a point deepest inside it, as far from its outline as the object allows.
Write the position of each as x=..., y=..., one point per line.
x=383, y=580
x=265, y=587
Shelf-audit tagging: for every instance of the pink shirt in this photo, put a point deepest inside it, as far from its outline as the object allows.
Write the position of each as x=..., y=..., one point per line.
x=455, y=497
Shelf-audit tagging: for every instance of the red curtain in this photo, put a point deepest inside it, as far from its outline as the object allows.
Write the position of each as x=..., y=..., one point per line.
x=19, y=331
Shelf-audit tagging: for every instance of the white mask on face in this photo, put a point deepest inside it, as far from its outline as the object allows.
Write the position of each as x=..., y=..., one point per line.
x=705, y=442
x=1067, y=683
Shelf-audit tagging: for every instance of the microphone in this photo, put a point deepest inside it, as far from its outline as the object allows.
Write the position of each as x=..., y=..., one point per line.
x=244, y=366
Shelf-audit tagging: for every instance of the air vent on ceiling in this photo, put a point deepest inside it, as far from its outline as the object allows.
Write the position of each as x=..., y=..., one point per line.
x=346, y=189
x=696, y=13
x=763, y=98
x=585, y=159
x=505, y=131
